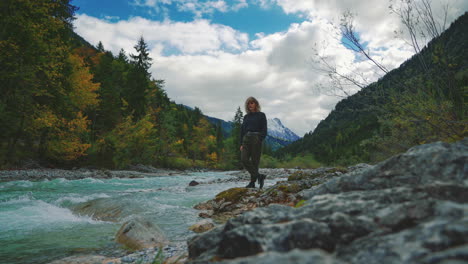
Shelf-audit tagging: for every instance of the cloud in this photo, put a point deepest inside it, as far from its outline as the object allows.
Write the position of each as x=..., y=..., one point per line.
x=199, y=8
x=216, y=67
x=199, y=36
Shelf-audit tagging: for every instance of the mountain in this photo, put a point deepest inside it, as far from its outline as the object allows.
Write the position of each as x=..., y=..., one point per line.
x=277, y=130
x=278, y=135
x=384, y=118
x=227, y=126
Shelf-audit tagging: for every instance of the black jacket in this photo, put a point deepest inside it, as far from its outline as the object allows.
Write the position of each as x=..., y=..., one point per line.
x=254, y=122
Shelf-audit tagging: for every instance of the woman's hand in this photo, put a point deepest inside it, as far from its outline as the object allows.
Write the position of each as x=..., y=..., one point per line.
x=241, y=148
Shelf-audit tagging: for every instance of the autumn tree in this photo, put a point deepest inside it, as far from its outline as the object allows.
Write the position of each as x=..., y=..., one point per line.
x=34, y=56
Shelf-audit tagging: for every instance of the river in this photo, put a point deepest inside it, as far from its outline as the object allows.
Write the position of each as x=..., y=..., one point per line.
x=37, y=224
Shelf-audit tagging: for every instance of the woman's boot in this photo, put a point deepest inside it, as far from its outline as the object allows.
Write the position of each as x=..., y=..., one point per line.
x=261, y=180
x=251, y=185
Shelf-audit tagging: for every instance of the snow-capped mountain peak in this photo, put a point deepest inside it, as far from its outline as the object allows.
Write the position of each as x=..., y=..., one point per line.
x=277, y=130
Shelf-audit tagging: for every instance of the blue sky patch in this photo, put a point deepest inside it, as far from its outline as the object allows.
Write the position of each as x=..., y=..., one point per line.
x=251, y=19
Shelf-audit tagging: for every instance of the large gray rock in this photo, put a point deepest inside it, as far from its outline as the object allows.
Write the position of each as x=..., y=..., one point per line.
x=294, y=256
x=412, y=208
x=109, y=209
x=420, y=165
x=140, y=233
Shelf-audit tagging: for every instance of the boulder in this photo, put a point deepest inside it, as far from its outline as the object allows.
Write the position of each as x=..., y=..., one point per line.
x=206, y=214
x=108, y=209
x=411, y=208
x=140, y=233
x=202, y=226
x=193, y=183
x=295, y=256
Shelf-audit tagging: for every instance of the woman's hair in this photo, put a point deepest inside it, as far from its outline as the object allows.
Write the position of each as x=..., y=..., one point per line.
x=251, y=99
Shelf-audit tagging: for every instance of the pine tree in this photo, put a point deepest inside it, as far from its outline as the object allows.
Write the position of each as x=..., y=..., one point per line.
x=219, y=138
x=100, y=47
x=122, y=57
x=142, y=59
x=235, y=138
x=138, y=81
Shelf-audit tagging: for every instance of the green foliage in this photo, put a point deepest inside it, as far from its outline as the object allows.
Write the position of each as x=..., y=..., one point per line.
x=267, y=161
x=422, y=101
x=65, y=101
x=300, y=204
x=159, y=258
x=430, y=120
x=178, y=163
x=133, y=142
x=301, y=161
x=230, y=153
x=306, y=162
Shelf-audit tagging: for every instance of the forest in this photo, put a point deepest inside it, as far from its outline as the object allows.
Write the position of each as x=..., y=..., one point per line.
x=66, y=103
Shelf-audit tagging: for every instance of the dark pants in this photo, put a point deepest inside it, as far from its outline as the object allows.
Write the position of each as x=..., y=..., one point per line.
x=250, y=155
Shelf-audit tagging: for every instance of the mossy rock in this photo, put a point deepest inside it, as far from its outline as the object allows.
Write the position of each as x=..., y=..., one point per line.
x=232, y=195
x=338, y=169
x=290, y=188
x=298, y=175
x=301, y=175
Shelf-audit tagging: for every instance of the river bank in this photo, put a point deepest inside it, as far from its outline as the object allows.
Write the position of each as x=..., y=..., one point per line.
x=135, y=172
x=81, y=173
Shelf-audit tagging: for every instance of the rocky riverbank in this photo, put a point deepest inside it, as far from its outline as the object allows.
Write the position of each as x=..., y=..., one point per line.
x=76, y=174
x=411, y=208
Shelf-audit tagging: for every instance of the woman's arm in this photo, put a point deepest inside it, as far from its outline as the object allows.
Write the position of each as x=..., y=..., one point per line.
x=264, y=126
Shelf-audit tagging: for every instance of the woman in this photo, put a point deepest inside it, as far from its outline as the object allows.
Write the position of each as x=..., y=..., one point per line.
x=253, y=132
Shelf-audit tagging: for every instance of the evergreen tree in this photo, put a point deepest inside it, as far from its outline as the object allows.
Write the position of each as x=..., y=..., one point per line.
x=138, y=81
x=142, y=59
x=219, y=138
x=235, y=140
x=122, y=57
x=100, y=47
x=108, y=75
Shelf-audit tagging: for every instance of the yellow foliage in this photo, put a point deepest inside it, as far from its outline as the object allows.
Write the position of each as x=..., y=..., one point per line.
x=134, y=142
x=66, y=141
x=213, y=157
x=83, y=93
x=44, y=118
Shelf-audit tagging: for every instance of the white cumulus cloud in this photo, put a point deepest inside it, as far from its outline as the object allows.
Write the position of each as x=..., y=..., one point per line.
x=216, y=67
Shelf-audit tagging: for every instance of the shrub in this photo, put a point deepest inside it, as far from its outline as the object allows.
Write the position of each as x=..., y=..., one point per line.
x=306, y=161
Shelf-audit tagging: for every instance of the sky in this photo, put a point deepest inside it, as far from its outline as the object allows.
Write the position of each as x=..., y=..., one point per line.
x=213, y=54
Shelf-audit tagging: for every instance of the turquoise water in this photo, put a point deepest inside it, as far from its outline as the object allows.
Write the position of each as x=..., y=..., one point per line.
x=37, y=224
